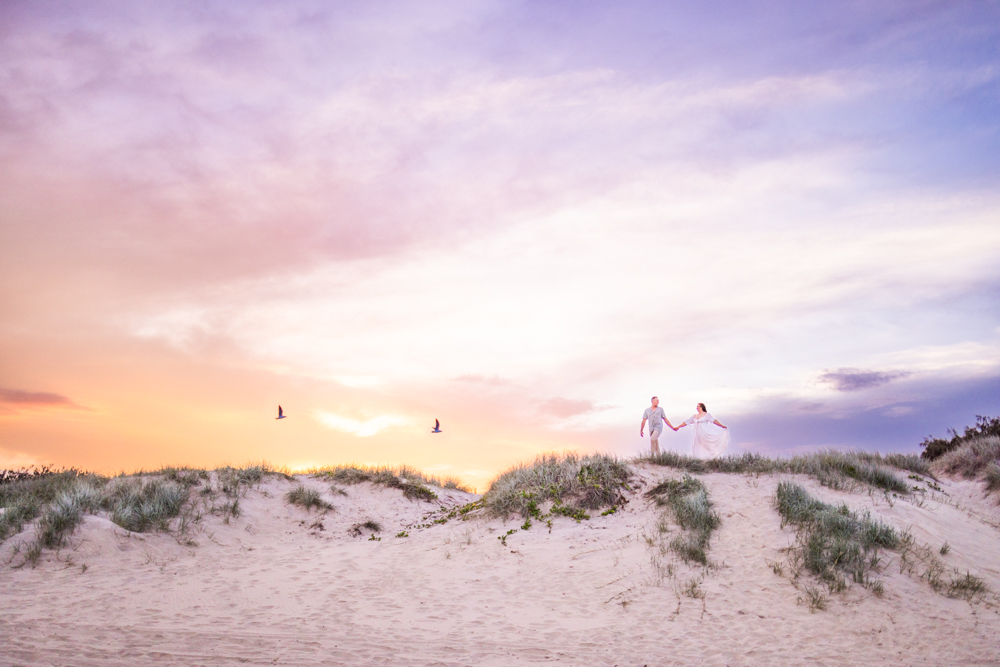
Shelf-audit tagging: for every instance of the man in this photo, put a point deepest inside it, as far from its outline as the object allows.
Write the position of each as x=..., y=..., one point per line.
x=656, y=418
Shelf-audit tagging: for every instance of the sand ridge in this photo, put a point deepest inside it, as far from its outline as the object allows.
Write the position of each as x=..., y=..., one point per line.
x=280, y=585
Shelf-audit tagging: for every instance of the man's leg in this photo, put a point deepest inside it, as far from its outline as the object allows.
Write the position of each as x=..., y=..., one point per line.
x=654, y=442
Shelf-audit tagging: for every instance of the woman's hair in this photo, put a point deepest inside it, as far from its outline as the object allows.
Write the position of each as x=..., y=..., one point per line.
x=703, y=408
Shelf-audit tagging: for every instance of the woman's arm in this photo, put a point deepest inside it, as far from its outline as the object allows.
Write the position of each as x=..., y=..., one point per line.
x=716, y=422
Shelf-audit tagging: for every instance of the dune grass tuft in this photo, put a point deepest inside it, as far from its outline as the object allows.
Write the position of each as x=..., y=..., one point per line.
x=966, y=587
x=992, y=477
x=307, y=498
x=687, y=499
x=410, y=481
x=138, y=505
x=591, y=482
x=838, y=470
x=834, y=544
x=370, y=525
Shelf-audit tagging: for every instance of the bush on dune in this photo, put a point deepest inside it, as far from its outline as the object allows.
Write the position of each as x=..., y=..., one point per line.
x=935, y=448
x=591, y=482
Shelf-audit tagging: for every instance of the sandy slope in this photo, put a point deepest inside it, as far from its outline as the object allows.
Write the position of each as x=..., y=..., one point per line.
x=276, y=587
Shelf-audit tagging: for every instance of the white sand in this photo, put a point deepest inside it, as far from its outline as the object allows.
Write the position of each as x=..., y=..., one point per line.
x=271, y=587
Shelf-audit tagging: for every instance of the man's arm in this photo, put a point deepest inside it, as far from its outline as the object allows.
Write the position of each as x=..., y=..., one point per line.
x=642, y=426
x=668, y=422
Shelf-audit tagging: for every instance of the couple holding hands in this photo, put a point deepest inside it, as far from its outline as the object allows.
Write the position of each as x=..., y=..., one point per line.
x=709, y=441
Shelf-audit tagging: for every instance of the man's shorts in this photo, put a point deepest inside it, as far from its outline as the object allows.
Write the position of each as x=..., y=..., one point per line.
x=654, y=436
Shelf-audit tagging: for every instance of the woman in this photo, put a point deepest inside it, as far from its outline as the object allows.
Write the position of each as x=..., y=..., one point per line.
x=708, y=442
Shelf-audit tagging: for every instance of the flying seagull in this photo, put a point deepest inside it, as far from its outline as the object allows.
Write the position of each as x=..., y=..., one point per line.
x=437, y=427
x=281, y=414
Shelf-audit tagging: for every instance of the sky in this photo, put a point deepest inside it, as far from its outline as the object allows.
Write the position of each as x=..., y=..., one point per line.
x=521, y=218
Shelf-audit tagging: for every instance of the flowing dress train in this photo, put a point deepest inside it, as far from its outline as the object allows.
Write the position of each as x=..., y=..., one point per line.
x=709, y=440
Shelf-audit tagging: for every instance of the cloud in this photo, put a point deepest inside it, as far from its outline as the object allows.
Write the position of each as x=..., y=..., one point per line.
x=490, y=381
x=34, y=399
x=563, y=408
x=362, y=429
x=16, y=460
x=932, y=404
x=853, y=379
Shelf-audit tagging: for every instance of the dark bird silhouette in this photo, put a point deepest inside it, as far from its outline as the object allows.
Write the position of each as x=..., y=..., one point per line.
x=281, y=414
x=437, y=427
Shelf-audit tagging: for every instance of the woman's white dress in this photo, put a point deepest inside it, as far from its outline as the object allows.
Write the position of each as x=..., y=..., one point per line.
x=709, y=440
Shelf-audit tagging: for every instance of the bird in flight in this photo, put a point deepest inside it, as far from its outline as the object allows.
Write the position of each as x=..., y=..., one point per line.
x=281, y=414
x=437, y=426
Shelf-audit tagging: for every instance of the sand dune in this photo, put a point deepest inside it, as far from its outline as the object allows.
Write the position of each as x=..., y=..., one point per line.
x=282, y=585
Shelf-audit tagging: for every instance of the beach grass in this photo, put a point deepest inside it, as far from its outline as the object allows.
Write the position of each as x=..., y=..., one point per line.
x=370, y=525
x=834, y=544
x=835, y=469
x=584, y=482
x=138, y=502
x=977, y=457
x=412, y=482
x=140, y=505
x=936, y=448
x=307, y=498
x=687, y=500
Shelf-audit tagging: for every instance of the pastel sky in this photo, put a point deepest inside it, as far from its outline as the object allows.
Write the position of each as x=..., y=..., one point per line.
x=521, y=218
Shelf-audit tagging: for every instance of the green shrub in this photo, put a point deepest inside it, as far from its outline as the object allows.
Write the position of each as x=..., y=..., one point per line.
x=590, y=481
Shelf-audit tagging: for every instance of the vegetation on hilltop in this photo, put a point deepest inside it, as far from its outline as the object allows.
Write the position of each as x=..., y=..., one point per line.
x=412, y=482
x=839, y=547
x=588, y=482
x=979, y=457
x=138, y=502
x=935, y=448
x=838, y=470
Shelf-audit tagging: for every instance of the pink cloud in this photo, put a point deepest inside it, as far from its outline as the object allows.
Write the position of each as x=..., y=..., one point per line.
x=35, y=400
x=564, y=408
